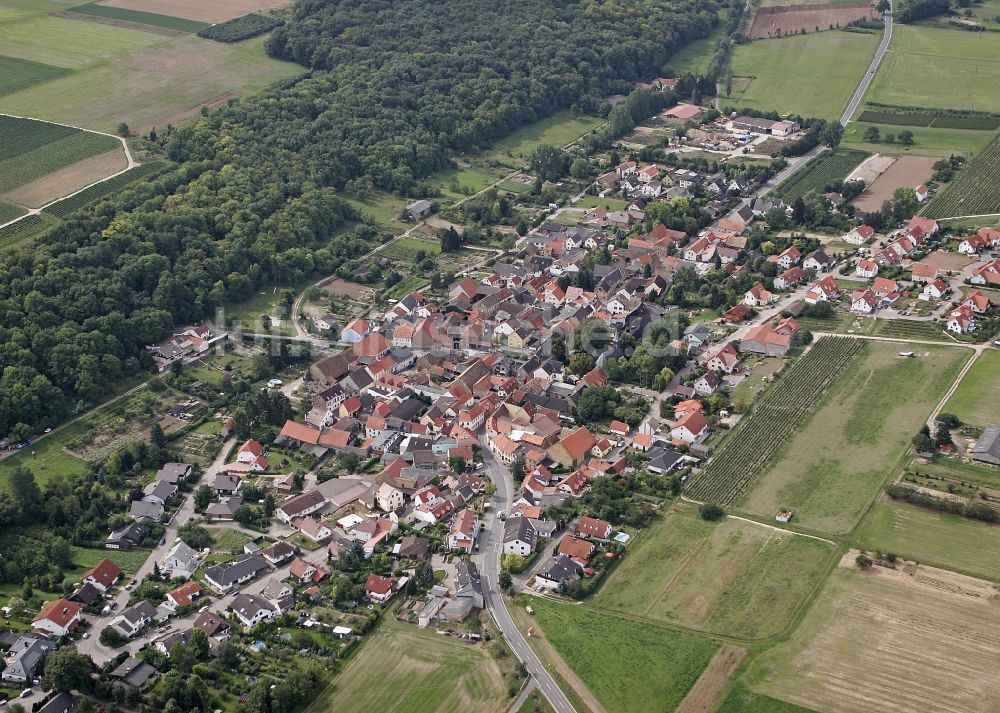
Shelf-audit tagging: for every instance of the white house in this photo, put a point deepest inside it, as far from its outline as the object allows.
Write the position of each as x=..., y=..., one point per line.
x=519, y=537
x=355, y=331
x=934, y=290
x=691, y=428
x=866, y=268
x=859, y=235
x=251, y=609
x=58, y=617
x=863, y=302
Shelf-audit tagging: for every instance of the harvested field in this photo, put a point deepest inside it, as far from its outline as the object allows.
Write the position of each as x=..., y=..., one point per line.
x=790, y=19
x=348, y=289
x=905, y=172
x=712, y=682
x=871, y=168
x=893, y=641
x=215, y=11
x=68, y=180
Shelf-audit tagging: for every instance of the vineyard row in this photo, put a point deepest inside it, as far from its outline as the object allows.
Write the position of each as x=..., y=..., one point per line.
x=759, y=436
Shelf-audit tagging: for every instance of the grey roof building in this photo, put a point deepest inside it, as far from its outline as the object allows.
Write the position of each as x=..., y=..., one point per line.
x=987, y=448
x=28, y=653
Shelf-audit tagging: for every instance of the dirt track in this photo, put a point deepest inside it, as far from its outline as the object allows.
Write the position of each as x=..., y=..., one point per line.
x=706, y=691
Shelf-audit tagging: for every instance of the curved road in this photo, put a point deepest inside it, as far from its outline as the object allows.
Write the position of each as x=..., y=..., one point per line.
x=866, y=81
x=490, y=546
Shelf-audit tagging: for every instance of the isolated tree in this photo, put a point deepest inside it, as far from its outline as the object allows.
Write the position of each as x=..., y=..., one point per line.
x=863, y=561
x=548, y=162
x=579, y=169
x=123, y=130
x=711, y=512
x=198, y=643
x=558, y=348
x=517, y=468
x=872, y=134
x=457, y=464
x=157, y=437
x=506, y=581
x=906, y=137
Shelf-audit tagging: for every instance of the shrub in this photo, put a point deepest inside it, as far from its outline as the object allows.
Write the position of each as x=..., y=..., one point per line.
x=240, y=28
x=711, y=512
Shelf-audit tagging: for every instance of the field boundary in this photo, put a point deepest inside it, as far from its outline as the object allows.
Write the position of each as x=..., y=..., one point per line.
x=129, y=158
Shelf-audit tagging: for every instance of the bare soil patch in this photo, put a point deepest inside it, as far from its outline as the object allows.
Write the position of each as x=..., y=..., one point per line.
x=947, y=261
x=215, y=11
x=709, y=687
x=871, y=168
x=347, y=289
x=791, y=19
x=905, y=172
x=68, y=180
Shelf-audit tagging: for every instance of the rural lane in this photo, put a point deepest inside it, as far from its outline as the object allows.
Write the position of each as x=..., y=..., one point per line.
x=866, y=81
x=490, y=546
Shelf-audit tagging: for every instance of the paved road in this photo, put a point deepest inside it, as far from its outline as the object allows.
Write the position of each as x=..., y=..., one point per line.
x=859, y=93
x=490, y=547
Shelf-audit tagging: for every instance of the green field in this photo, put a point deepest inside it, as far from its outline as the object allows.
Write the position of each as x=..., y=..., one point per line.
x=608, y=203
x=9, y=211
x=810, y=75
x=938, y=539
x=405, y=286
x=17, y=74
x=887, y=641
x=628, y=666
x=734, y=578
x=977, y=399
x=143, y=78
x=144, y=18
x=24, y=230
x=954, y=468
x=130, y=561
x=927, y=141
x=742, y=700
x=382, y=208
x=406, y=249
x=404, y=669
x=827, y=168
x=939, y=68
x=45, y=458
x=976, y=188
x=31, y=163
x=458, y=183
x=695, y=56
x=557, y=130
x=836, y=462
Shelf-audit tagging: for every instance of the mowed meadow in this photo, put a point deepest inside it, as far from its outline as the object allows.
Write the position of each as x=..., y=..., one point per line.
x=838, y=459
x=733, y=578
x=96, y=72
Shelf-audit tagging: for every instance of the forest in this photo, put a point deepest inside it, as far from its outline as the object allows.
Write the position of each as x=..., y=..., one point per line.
x=392, y=92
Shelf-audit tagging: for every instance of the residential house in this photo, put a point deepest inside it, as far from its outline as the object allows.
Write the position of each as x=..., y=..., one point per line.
x=726, y=360
x=134, y=619
x=103, y=575
x=316, y=530
x=25, y=658
x=519, y=537
x=227, y=576
x=758, y=296
x=127, y=537
x=300, y=505
x=594, y=527
x=572, y=450
x=818, y=260
x=557, y=572
x=577, y=549
x=934, y=290
x=251, y=609
x=57, y=617
x=389, y=498
x=464, y=529
x=183, y=595
x=691, y=428
x=859, y=235
x=863, y=302
x=866, y=268
x=707, y=383
x=379, y=589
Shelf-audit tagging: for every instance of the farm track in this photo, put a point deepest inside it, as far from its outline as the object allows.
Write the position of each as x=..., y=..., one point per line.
x=131, y=163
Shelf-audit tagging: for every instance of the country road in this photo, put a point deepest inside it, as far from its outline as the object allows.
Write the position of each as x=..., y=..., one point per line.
x=866, y=81
x=490, y=546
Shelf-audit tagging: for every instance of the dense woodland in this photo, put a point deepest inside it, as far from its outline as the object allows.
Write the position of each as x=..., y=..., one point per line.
x=394, y=91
